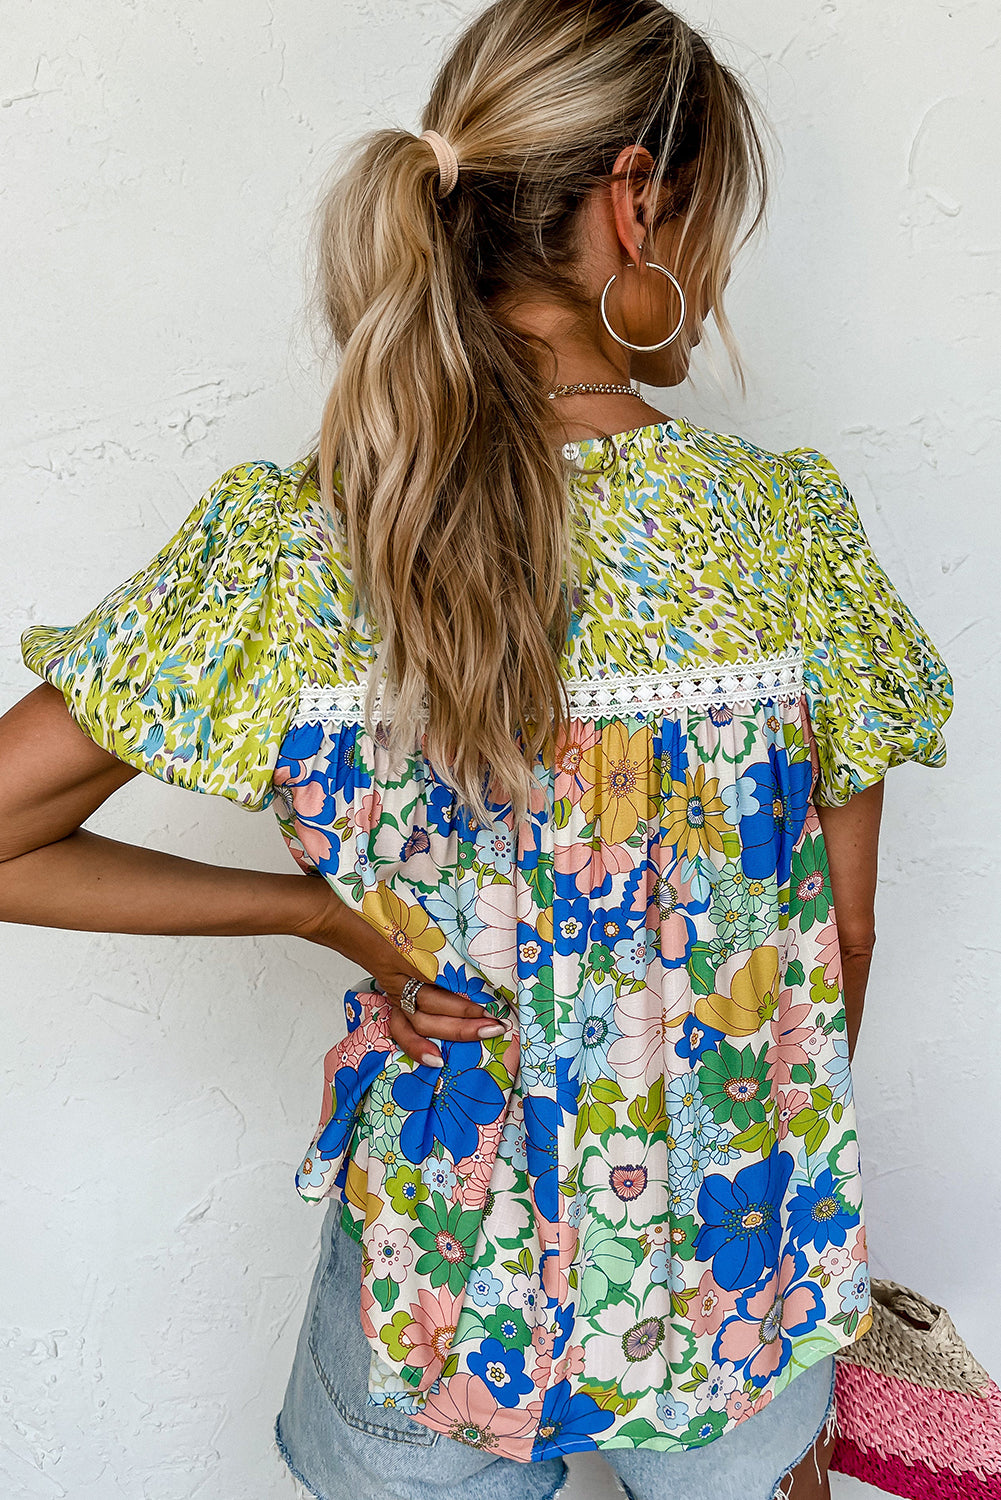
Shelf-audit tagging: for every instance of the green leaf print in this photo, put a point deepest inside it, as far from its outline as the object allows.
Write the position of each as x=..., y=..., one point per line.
x=385, y=1292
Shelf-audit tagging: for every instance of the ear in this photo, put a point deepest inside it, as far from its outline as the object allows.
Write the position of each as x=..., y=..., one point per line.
x=629, y=205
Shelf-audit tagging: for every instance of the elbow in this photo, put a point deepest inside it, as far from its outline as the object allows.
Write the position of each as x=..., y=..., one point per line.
x=855, y=946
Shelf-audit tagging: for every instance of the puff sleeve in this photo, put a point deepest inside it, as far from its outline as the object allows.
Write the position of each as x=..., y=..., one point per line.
x=877, y=689
x=185, y=670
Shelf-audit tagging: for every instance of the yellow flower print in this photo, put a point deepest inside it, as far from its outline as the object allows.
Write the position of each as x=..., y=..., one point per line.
x=407, y=927
x=693, y=815
x=752, y=988
x=617, y=773
x=356, y=1191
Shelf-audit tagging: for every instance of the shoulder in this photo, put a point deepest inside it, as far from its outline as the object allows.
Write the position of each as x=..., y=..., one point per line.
x=681, y=452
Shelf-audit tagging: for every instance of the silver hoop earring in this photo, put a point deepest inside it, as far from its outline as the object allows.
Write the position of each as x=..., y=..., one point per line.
x=648, y=348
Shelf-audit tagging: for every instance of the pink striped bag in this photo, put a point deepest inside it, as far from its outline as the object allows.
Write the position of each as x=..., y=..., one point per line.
x=915, y=1413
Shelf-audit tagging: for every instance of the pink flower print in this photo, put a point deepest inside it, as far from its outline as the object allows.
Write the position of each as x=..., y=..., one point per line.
x=570, y=1363
x=591, y=863
x=569, y=783
x=712, y=1306
x=739, y=1406
x=475, y=1170
x=308, y=800
x=759, y=1333
x=646, y=1020
x=789, y=1039
x=789, y=1101
x=838, y=1261
x=435, y=1315
x=542, y=1342
x=368, y=813
x=815, y=1040
x=497, y=943
x=465, y=1410
x=859, y=1248
x=756, y=1406
x=829, y=947
x=367, y=1304
x=392, y=1254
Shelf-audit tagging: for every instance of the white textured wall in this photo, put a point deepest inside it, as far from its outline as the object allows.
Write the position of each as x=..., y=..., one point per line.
x=160, y=163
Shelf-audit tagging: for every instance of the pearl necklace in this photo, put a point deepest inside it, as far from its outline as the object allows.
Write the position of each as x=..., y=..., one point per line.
x=605, y=388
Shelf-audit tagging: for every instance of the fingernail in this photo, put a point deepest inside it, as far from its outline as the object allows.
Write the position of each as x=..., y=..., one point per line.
x=492, y=1030
x=433, y=1060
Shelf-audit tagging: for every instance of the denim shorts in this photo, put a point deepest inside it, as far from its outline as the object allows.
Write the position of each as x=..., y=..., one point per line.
x=340, y=1448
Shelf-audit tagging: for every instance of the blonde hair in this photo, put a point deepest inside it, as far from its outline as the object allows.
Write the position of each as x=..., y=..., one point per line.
x=435, y=444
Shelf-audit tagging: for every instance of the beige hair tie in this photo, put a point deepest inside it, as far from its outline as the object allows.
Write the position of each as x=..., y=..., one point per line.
x=448, y=162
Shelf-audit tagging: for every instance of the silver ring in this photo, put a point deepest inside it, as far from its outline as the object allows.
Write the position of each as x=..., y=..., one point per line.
x=408, y=997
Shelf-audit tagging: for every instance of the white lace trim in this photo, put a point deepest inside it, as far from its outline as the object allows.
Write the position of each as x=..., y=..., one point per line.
x=739, y=686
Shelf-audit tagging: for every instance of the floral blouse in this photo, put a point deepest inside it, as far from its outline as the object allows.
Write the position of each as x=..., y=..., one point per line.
x=632, y=1220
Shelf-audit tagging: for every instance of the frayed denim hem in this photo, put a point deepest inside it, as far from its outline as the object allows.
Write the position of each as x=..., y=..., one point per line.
x=827, y=1426
x=286, y=1457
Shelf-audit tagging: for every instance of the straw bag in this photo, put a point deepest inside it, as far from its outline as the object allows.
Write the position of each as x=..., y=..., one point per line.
x=916, y=1414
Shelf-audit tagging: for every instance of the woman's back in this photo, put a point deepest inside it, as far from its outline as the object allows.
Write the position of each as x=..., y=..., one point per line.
x=609, y=1203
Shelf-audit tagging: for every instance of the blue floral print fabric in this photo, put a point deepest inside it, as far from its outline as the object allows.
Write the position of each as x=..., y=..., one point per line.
x=633, y=1218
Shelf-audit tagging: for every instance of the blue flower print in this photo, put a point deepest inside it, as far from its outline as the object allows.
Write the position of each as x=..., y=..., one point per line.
x=311, y=1172
x=672, y=1411
x=349, y=1086
x=691, y=1161
x=534, y=952
x=565, y=1323
x=740, y=799
x=577, y=1209
x=592, y=1030
x=484, y=1288
x=839, y=1071
x=741, y=1220
x=535, y=1053
x=611, y=925
x=571, y=925
x=441, y=808
x=540, y=1141
x=453, y=909
x=349, y=772
x=856, y=1294
x=512, y=1145
x=797, y=1307
x=817, y=1215
x=697, y=1038
x=700, y=874
x=462, y=981
x=301, y=743
x=667, y=1270
x=447, y=1104
x=683, y=1100
x=634, y=954
x=438, y=1177
x=768, y=836
x=568, y=1423
x=502, y=1372
x=495, y=848
x=566, y=1089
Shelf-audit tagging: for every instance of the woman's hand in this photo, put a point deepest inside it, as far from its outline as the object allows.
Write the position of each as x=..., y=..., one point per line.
x=440, y=1013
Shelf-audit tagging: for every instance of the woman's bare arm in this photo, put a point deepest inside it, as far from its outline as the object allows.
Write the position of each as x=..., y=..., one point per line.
x=53, y=873
x=851, y=834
